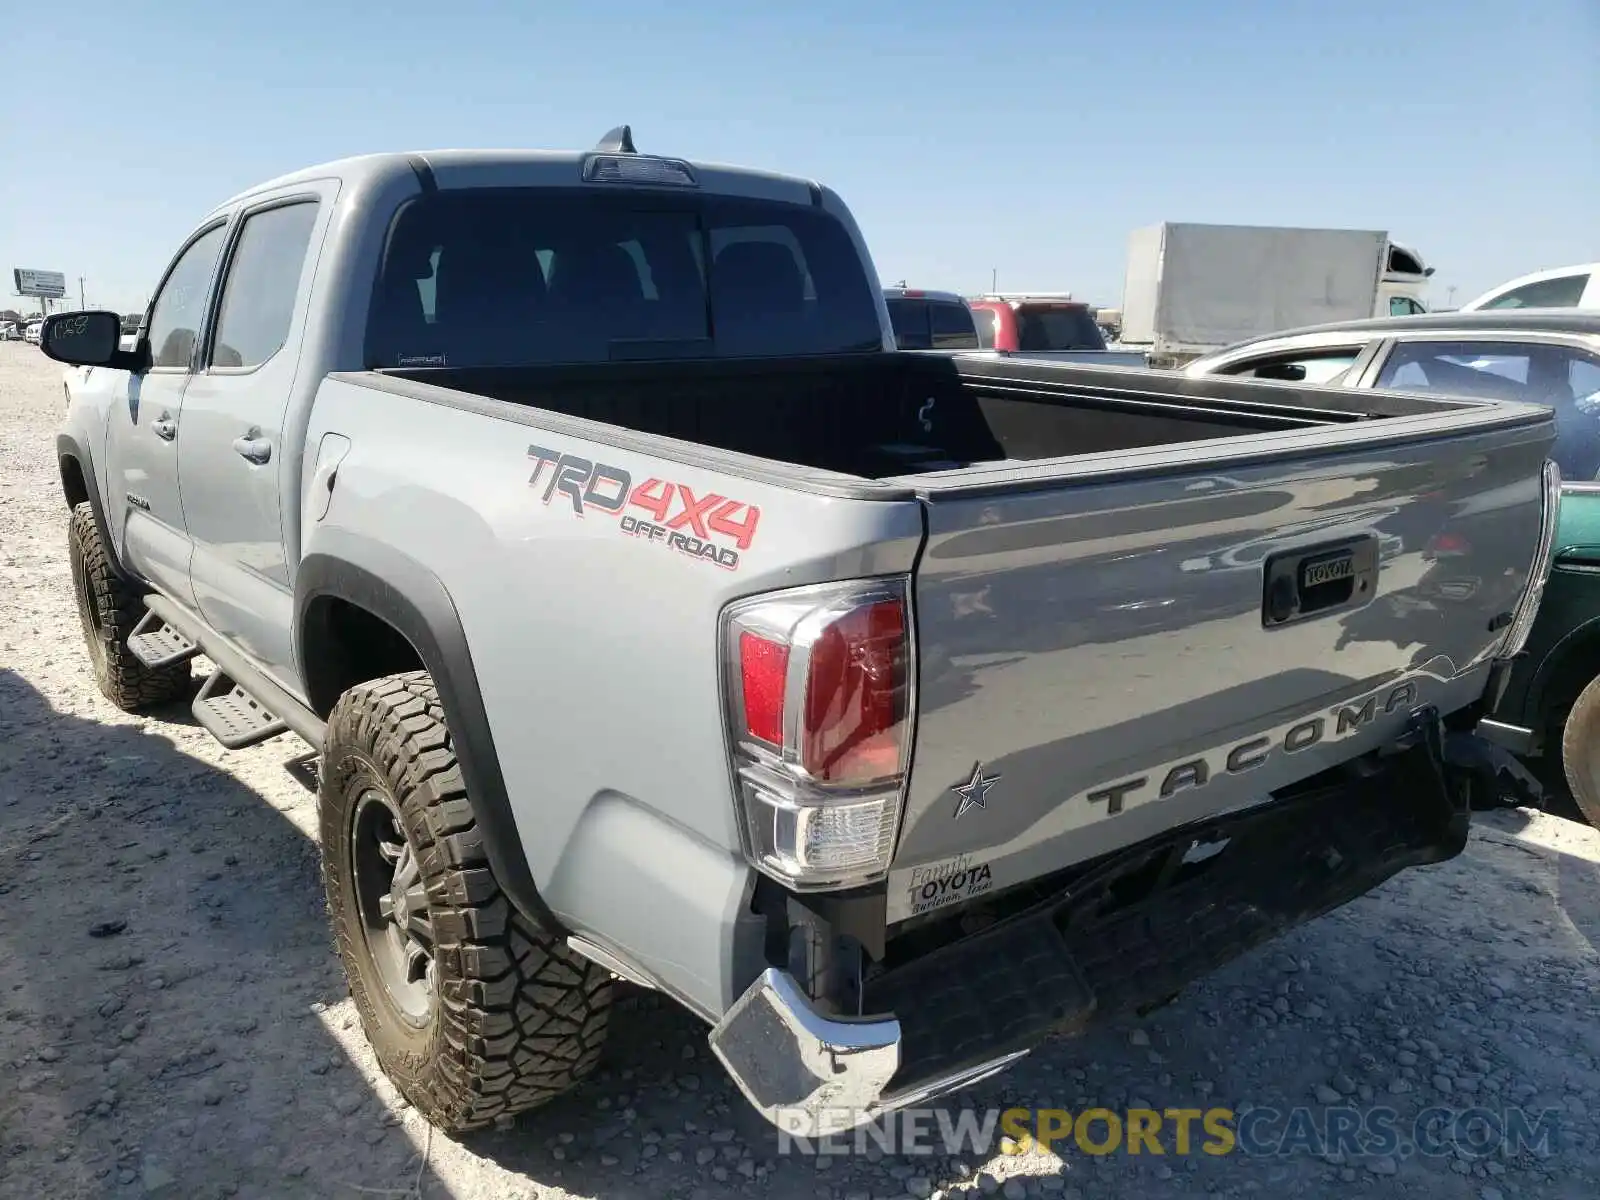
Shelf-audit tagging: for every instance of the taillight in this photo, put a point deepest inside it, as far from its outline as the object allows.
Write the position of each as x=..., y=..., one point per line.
x=818, y=685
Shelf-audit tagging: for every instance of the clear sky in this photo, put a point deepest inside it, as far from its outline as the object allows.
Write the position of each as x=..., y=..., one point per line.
x=1023, y=138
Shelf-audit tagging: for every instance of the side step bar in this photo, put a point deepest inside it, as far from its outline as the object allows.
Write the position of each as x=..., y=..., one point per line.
x=238, y=704
x=231, y=715
x=157, y=644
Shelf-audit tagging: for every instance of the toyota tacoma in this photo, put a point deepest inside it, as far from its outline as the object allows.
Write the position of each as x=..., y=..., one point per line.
x=654, y=617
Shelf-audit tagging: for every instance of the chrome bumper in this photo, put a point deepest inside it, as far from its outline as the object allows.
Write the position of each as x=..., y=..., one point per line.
x=813, y=1075
x=1514, y=738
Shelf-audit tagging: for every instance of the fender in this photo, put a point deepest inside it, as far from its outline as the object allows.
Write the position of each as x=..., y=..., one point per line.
x=1535, y=696
x=411, y=598
x=68, y=446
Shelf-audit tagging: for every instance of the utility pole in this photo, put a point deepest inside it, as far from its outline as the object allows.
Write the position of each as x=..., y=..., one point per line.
x=82, y=304
x=994, y=281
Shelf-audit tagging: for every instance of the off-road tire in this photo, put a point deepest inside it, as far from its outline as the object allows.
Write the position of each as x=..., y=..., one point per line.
x=519, y=1018
x=109, y=606
x=1580, y=751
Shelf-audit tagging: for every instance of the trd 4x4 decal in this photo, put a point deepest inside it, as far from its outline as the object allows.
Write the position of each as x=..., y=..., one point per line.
x=668, y=512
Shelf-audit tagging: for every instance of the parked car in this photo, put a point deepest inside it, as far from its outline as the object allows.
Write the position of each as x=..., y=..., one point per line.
x=30, y=331
x=925, y=320
x=1048, y=327
x=1551, y=705
x=653, y=616
x=9, y=331
x=1559, y=287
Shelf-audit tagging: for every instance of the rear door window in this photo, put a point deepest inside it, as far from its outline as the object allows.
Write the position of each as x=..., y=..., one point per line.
x=1315, y=367
x=1561, y=376
x=522, y=276
x=1564, y=291
x=262, y=284
x=1046, y=329
x=951, y=327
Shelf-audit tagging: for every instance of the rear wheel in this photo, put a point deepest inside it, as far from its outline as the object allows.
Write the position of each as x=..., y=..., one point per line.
x=109, y=607
x=1580, y=751
x=473, y=1010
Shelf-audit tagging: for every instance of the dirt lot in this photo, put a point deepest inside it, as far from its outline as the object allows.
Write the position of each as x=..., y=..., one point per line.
x=173, y=1021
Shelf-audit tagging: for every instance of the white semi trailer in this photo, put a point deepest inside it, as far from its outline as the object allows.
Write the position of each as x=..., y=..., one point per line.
x=1193, y=288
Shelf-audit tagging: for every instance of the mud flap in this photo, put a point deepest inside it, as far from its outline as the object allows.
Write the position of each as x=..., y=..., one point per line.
x=1492, y=775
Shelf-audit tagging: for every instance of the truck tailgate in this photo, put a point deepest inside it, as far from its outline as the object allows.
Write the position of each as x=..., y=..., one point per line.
x=1115, y=645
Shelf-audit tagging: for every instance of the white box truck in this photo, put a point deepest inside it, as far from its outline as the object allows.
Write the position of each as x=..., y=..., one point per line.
x=1192, y=288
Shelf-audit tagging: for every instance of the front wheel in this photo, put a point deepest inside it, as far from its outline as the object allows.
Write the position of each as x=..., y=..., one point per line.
x=474, y=1011
x=1580, y=751
x=109, y=607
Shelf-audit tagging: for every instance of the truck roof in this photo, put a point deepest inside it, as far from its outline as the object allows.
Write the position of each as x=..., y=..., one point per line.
x=528, y=167
x=910, y=293
x=1518, y=320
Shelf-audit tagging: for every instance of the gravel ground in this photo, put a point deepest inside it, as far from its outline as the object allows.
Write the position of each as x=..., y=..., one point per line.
x=173, y=1021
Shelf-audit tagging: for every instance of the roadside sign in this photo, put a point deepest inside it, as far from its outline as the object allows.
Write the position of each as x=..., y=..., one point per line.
x=51, y=285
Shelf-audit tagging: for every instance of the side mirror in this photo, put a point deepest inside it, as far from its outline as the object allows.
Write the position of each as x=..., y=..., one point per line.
x=87, y=339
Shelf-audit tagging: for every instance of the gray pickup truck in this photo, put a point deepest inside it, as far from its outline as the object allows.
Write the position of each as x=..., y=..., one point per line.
x=655, y=618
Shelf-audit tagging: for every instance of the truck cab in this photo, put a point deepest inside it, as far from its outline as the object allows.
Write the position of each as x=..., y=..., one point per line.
x=1403, y=290
x=925, y=320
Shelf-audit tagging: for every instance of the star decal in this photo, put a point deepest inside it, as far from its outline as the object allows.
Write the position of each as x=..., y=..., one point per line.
x=974, y=793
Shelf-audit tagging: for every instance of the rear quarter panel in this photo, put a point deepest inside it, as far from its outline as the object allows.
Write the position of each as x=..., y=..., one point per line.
x=596, y=651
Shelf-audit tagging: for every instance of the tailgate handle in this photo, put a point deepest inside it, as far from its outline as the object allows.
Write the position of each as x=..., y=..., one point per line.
x=1316, y=580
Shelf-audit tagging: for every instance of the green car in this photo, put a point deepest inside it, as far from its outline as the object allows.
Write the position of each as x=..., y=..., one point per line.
x=1550, y=710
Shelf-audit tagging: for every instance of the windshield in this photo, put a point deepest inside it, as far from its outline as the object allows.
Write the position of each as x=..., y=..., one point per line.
x=519, y=276
x=1066, y=328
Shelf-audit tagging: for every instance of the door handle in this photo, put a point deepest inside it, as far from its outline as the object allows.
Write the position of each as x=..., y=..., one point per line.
x=164, y=428
x=253, y=447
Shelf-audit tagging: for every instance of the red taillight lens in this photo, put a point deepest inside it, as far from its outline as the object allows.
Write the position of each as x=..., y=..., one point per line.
x=855, y=697
x=763, y=670
x=820, y=767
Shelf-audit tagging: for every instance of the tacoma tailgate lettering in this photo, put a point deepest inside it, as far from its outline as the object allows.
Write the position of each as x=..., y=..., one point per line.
x=1243, y=756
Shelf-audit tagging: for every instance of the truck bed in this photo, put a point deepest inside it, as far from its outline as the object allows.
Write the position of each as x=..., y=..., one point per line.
x=895, y=414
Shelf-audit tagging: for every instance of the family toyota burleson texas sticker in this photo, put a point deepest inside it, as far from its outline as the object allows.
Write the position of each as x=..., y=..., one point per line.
x=942, y=883
x=676, y=517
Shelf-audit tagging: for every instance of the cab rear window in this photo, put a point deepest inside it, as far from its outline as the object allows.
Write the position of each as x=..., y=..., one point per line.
x=1067, y=328
x=522, y=276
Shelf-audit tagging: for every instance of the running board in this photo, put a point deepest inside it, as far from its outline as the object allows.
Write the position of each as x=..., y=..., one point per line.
x=239, y=704
x=231, y=715
x=157, y=644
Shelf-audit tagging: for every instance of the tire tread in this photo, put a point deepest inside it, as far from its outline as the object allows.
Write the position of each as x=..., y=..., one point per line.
x=121, y=677
x=522, y=1018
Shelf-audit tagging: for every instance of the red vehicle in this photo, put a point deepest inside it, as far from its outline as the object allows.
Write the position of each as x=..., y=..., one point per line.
x=1044, y=327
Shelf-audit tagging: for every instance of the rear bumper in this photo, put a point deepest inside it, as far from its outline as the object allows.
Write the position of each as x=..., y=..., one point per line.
x=1130, y=930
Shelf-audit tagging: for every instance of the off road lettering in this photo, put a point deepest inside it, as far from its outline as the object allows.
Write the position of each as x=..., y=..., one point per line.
x=679, y=519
